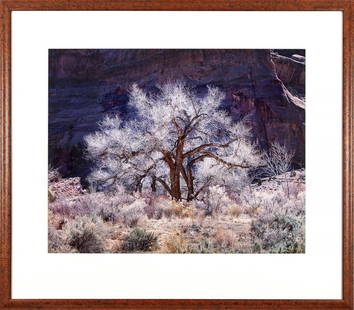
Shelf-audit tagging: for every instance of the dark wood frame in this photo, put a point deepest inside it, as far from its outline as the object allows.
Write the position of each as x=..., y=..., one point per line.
x=7, y=6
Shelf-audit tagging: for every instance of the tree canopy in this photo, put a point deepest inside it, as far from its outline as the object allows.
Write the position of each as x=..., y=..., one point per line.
x=178, y=141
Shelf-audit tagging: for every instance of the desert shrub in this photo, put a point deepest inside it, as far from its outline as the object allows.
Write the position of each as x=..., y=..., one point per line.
x=109, y=213
x=215, y=200
x=199, y=215
x=158, y=214
x=204, y=247
x=177, y=208
x=277, y=160
x=56, y=242
x=153, y=211
x=159, y=207
x=64, y=207
x=116, y=247
x=121, y=196
x=85, y=234
x=139, y=240
x=150, y=211
x=251, y=198
x=278, y=223
x=280, y=230
x=293, y=188
x=130, y=215
x=88, y=204
x=176, y=243
x=235, y=211
x=224, y=239
x=167, y=212
x=106, y=206
x=251, y=210
x=223, y=242
x=188, y=211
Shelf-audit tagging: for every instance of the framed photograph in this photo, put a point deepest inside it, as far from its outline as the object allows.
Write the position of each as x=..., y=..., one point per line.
x=176, y=155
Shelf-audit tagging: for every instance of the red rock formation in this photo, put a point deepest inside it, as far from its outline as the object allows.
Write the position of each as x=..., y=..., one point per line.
x=291, y=71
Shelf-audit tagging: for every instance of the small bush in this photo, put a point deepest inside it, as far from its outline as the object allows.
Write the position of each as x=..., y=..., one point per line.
x=252, y=210
x=105, y=205
x=167, y=212
x=153, y=212
x=216, y=200
x=88, y=204
x=130, y=215
x=109, y=213
x=177, y=208
x=188, y=211
x=224, y=239
x=85, y=235
x=139, y=241
x=204, y=247
x=235, y=211
x=56, y=242
x=176, y=243
x=293, y=189
x=278, y=233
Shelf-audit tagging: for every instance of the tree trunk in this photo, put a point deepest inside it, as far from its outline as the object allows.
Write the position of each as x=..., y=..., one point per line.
x=175, y=164
x=175, y=172
x=175, y=184
x=153, y=185
x=190, y=184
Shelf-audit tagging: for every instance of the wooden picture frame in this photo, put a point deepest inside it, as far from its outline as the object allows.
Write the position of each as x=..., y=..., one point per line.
x=8, y=6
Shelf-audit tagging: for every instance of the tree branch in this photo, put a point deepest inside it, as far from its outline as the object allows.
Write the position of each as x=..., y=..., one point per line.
x=201, y=188
x=220, y=160
x=164, y=184
x=205, y=146
x=168, y=158
x=179, y=129
x=190, y=126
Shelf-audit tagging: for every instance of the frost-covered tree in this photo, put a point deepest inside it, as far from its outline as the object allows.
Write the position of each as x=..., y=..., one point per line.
x=178, y=140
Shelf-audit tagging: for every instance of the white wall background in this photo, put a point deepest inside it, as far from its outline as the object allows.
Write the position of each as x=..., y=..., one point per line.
x=316, y=274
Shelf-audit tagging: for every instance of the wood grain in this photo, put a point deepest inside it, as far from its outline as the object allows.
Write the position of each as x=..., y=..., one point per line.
x=7, y=6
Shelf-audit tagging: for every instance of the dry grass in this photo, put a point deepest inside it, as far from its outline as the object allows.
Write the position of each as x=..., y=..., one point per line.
x=235, y=211
x=156, y=224
x=252, y=211
x=225, y=239
x=176, y=243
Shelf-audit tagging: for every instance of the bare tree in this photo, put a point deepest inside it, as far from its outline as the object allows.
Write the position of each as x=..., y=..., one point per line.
x=179, y=141
x=277, y=160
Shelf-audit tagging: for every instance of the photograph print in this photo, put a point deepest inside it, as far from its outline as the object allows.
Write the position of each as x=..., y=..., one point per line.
x=176, y=151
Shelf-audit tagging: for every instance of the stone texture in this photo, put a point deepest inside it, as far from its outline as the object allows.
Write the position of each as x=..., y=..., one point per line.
x=291, y=71
x=84, y=85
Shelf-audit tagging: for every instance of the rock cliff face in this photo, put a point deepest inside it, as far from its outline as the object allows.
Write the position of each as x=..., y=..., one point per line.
x=291, y=71
x=84, y=85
